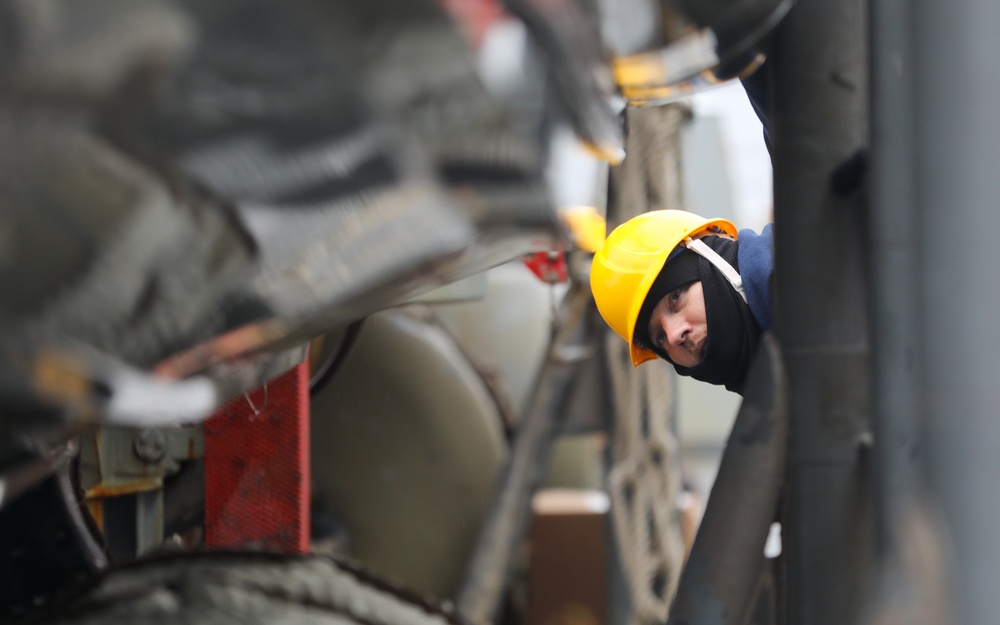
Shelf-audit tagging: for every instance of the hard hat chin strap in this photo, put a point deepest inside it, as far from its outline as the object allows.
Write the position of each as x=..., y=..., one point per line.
x=699, y=248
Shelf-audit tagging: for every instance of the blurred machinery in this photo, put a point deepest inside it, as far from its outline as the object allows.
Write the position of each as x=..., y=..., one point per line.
x=308, y=276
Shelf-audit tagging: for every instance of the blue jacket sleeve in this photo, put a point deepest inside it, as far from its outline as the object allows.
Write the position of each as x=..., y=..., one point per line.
x=756, y=259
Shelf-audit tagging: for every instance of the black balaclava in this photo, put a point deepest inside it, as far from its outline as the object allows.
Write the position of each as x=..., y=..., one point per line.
x=733, y=333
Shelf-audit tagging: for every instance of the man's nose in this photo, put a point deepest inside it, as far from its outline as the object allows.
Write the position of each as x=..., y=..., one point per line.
x=676, y=329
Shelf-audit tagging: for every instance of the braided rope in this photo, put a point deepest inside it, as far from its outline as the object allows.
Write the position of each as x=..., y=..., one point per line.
x=645, y=473
x=644, y=482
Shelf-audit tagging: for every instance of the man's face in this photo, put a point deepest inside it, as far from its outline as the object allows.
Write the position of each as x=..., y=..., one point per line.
x=678, y=325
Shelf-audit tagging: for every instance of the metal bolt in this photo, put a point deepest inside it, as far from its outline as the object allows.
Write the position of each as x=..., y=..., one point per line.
x=150, y=446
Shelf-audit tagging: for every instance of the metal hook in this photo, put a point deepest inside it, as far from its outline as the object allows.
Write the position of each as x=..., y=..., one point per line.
x=257, y=412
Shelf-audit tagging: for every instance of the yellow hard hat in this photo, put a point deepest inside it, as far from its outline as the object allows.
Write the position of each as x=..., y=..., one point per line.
x=630, y=259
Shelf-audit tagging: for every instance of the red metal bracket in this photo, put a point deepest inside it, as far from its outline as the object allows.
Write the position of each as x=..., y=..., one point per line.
x=550, y=267
x=257, y=468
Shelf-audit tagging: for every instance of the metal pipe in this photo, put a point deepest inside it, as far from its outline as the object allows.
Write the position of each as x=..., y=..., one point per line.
x=892, y=292
x=956, y=97
x=911, y=584
x=510, y=512
x=819, y=116
x=727, y=558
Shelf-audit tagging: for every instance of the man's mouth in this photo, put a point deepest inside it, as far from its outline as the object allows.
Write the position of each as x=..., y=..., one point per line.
x=697, y=348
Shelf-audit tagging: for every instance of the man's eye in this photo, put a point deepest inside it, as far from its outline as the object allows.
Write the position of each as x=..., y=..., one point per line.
x=675, y=295
x=661, y=336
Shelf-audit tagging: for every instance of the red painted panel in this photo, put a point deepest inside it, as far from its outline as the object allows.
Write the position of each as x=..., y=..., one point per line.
x=257, y=468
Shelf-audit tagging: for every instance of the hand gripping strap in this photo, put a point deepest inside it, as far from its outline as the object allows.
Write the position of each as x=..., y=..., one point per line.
x=699, y=248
